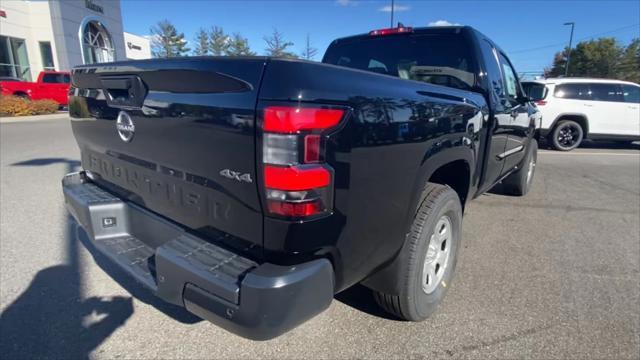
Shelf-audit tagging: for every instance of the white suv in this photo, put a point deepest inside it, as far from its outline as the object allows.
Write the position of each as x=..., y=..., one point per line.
x=575, y=109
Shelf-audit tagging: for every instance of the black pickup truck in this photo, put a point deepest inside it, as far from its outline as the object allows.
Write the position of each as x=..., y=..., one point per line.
x=251, y=190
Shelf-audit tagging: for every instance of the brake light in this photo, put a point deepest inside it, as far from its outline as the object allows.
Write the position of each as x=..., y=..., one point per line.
x=391, y=31
x=541, y=102
x=281, y=119
x=294, y=178
x=298, y=183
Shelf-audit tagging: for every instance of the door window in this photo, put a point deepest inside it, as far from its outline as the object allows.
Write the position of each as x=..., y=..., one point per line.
x=606, y=92
x=631, y=93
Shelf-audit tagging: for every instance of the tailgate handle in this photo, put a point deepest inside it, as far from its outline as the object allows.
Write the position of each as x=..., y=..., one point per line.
x=124, y=91
x=116, y=84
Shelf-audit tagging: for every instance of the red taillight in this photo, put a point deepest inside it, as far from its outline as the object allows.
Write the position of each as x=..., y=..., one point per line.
x=311, y=149
x=295, y=178
x=541, y=102
x=283, y=119
x=391, y=31
x=297, y=182
x=301, y=209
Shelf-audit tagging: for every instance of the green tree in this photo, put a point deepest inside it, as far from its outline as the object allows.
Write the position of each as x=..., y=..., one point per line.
x=558, y=65
x=601, y=58
x=239, y=46
x=166, y=41
x=629, y=64
x=309, y=51
x=219, y=42
x=277, y=46
x=202, y=43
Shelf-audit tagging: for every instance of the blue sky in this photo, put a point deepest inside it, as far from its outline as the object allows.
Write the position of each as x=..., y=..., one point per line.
x=530, y=31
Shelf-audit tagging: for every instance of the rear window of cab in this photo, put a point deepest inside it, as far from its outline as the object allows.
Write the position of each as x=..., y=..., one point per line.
x=441, y=59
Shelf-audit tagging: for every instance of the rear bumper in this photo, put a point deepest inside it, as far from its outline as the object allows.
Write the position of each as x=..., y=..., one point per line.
x=256, y=301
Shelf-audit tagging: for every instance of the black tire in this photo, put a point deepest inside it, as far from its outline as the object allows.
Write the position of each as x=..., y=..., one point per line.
x=566, y=135
x=21, y=95
x=412, y=302
x=519, y=182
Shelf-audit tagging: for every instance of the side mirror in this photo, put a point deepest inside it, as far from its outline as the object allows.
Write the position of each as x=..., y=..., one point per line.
x=523, y=100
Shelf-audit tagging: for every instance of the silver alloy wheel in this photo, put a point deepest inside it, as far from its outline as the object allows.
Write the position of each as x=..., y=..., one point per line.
x=435, y=262
x=532, y=166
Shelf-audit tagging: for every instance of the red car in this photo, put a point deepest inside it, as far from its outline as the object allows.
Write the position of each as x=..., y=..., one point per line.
x=53, y=85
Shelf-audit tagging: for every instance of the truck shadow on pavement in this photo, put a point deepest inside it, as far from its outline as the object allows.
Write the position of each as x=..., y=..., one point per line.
x=53, y=318
x=361, y=298
x=131, y=286
x=50, y=319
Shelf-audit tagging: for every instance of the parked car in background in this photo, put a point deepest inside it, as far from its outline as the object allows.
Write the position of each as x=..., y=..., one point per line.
x=574, y=109
x=52, y=85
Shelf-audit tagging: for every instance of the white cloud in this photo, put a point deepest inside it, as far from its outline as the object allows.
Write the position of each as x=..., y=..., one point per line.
x=396, y=8
x=346, y=2
x=442, y=23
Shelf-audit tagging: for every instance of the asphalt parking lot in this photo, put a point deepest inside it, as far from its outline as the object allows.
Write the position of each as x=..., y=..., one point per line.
x=555, y=274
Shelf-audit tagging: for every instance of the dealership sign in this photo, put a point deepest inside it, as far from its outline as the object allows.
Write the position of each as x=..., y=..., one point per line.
x=133, y=46
x=93, y=6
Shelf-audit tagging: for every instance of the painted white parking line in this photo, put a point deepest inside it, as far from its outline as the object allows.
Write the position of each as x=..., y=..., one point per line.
x=543, y=152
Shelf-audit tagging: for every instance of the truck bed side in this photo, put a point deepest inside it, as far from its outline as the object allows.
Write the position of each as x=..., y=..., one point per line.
x=398, y=133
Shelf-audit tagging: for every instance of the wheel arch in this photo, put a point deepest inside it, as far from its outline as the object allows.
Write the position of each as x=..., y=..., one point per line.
x=21, y=93
x=442, y=168
x=580, y=118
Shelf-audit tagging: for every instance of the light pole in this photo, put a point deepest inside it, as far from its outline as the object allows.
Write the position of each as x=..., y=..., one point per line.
x=392, y=8
x=566, y=67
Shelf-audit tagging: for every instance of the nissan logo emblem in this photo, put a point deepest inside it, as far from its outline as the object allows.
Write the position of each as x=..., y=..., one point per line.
x=125, y=126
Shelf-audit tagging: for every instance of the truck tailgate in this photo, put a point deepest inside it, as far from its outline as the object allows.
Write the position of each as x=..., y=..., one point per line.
x=176, y=136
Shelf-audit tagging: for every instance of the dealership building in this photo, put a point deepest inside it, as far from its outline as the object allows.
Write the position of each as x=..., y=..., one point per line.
x=38, y=35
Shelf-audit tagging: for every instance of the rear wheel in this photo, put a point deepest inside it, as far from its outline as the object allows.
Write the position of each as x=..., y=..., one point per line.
x=519, y=182
x=567, y=135
x=21, y=95
x=428, y=258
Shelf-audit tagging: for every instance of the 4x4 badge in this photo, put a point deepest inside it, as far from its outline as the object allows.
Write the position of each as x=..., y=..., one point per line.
x=235, y=175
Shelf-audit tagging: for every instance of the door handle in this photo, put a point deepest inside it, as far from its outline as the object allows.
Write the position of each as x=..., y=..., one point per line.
x=588, y=105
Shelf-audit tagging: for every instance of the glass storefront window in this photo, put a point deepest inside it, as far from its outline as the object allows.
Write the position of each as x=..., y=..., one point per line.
x=97, y=46
x=47, y=55
x=14, y=61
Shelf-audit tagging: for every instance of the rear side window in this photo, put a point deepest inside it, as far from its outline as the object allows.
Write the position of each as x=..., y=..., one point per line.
x=510, y=80
x=535, y=91
x=441, y=59
x=55, y=78
x=606, y=92
x=631, y=93
x=577, y=91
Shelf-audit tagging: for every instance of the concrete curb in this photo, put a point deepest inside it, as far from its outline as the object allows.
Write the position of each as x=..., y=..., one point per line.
x=17, y=119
